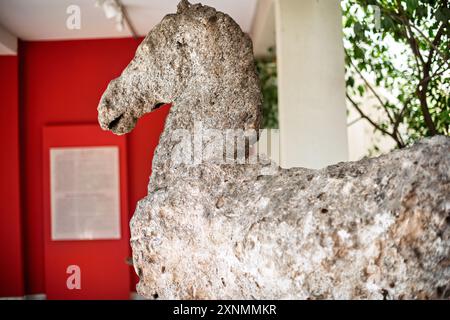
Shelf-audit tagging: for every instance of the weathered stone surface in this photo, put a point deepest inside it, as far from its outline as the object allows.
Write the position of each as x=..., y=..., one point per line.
x=377, y=228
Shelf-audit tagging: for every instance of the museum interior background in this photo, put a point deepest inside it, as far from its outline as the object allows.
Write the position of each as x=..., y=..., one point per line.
x=52, y=75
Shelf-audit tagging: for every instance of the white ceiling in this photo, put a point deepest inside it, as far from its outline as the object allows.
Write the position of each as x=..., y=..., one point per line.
x=46, y=19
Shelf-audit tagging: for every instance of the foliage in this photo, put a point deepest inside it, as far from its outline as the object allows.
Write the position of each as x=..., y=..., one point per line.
x=267, y=70
x=398, y=52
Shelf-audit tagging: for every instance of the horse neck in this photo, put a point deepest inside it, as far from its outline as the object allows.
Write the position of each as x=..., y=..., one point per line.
x=189, y=108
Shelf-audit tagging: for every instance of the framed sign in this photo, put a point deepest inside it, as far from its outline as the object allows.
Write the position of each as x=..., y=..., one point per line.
x=84, y=193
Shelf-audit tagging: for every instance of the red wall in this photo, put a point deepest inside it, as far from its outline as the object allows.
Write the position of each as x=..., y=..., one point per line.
x=11, y=280
x=61, y=82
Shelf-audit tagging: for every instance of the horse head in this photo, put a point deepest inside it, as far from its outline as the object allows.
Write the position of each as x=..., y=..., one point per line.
x=201, y=62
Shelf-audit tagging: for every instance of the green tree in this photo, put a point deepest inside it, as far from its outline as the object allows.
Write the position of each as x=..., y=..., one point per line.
x=398, y=53
x=267, y=71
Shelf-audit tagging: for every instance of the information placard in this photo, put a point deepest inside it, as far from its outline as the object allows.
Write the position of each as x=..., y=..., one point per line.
x=85, y=195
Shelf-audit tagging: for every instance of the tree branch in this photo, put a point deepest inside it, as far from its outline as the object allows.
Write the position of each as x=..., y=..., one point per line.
x=422, y=87
x=398, y=120
x=421, y=92
x=370, y=87
x=433, y=46
x=374, y=124
x=402, y=18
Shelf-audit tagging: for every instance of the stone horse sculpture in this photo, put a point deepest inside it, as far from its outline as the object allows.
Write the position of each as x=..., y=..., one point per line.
x=373, y=229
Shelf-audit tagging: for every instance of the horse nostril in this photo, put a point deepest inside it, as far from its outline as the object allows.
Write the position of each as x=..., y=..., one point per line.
x=115, y=122
x=158, y=105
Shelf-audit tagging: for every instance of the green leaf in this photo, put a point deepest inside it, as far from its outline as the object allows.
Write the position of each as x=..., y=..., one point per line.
x=421, y=12
x=349, y=21
x=411, y=5
x=359, y=53
x=387, y=23
x=443, y=14
x=361, y=90
x=350, y=82
x=358, y=29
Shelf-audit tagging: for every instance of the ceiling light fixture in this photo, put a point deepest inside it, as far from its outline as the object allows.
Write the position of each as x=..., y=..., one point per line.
x=115, y=9
x=112, y=9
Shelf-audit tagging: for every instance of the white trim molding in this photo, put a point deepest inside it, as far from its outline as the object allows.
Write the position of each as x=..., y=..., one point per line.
x=8, y=42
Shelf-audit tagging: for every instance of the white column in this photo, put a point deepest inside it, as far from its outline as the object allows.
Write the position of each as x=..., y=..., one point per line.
x=311, y=83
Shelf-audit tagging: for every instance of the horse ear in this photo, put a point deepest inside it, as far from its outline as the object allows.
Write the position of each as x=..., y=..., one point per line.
x=182, y=6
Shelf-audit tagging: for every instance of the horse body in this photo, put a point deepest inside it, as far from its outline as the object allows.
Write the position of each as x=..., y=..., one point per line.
x=372, y=229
